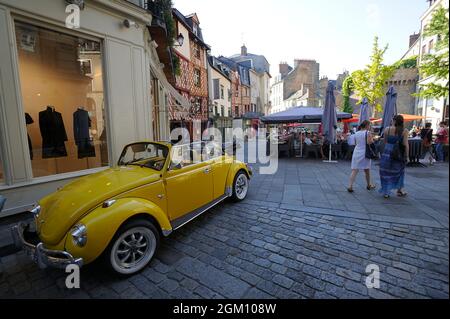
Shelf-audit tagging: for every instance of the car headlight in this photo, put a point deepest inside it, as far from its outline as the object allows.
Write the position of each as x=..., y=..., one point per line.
x=79, y=235
x=36, y=210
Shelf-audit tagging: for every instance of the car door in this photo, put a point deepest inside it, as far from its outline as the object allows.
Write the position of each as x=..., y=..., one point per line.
x=220, y=165
x=189, y=182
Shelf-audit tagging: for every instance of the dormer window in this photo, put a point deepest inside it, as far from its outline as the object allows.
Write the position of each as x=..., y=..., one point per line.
x=195, y=29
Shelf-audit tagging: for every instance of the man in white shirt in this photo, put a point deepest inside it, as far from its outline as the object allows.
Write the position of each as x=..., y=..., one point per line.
x=308, y=140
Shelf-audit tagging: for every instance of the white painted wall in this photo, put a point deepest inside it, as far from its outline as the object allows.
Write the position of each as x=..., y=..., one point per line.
x=434, y=111
x=226, y=85
x=185, y=49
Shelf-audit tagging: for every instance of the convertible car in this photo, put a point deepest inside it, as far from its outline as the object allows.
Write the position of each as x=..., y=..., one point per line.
x=119, y=215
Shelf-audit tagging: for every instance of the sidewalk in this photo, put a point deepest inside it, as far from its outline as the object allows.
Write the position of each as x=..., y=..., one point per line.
x=317, y=187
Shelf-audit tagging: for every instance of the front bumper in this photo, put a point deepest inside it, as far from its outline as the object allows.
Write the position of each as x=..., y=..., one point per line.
x=42, y=256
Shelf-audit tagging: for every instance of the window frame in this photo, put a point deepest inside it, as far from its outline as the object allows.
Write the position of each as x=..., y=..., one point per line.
x=197, y=77
x=31, y=179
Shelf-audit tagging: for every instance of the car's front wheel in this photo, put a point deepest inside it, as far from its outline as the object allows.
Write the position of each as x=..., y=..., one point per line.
x=132, y=247
x=240, y=186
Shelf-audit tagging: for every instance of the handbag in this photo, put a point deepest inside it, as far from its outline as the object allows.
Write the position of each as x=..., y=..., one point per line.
x=371, y=150
x=398, y=151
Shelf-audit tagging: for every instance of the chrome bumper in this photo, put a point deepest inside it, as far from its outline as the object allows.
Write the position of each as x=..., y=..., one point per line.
x=39, y=254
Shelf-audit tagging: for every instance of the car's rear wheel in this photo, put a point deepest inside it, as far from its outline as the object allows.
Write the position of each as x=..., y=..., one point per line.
x=240, y=186
x=132, y=247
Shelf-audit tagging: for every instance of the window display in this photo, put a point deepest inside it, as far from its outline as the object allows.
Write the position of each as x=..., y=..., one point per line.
x=62, y=93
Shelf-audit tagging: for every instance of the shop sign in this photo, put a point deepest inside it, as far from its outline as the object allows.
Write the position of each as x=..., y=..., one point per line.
x=73, y=9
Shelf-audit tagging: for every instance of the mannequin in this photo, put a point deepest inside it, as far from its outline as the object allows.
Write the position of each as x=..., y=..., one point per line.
x=53, y=133
x=29, y=120
x=81, y=125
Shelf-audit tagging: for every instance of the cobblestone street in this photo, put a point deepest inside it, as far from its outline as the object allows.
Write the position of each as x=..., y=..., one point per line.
x=261, y=248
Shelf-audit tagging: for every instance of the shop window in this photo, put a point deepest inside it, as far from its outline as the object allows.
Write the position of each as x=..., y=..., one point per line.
x=62, y=92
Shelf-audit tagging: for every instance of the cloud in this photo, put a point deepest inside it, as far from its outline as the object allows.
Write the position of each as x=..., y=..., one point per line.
x=373, y=15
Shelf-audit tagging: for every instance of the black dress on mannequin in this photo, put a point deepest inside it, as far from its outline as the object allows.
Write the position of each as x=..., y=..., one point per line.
x=29, y=120
x=53, y=133
x=81, y=125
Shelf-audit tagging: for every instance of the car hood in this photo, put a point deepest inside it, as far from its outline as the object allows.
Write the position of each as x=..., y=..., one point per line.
x=63, y=208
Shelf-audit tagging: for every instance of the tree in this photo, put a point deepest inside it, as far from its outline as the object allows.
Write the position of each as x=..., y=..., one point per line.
x=369, y=83
x=347, y=88
x=436, y=65
x=409, y=63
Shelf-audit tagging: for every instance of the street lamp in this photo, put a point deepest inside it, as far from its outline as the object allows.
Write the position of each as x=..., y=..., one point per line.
x=180, y=40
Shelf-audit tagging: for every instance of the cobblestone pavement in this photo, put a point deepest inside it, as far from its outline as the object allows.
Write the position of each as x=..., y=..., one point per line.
x=253, y=250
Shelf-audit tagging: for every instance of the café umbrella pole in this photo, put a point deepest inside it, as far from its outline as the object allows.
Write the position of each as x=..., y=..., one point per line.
x=329, y=120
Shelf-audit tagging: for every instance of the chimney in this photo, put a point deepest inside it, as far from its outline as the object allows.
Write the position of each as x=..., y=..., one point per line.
x=413, y=38
x=284, y=69
x=243, y=50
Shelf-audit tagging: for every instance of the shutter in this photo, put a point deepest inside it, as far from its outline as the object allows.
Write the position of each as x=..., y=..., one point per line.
x=216, y=89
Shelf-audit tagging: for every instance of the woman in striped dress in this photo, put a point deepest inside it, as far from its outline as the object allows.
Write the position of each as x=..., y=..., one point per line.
x=392, y=171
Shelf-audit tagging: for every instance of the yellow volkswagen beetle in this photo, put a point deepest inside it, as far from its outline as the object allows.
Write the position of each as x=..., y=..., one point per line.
x=120, y=214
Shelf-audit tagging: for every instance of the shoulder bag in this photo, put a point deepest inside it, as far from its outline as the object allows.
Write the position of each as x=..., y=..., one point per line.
x=398, y=151
x=371, y=150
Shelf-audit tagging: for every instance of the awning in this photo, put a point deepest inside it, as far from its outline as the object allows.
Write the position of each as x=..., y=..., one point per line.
x=406, y=118
x=355, y=119
x=183, y=102
x=301, y=115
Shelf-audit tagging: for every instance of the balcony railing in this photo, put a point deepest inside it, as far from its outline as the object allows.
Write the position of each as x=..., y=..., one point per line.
x=155, y=9
x=151, y=6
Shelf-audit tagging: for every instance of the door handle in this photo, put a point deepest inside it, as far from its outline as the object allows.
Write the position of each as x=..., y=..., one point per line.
x=207, y=170
x=160, y=196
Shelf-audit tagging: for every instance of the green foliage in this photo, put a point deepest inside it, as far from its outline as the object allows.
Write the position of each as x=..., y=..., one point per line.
x=409, y=63
x=176, y=64
x=370, y=82
x=166, y=10
x=347, y=88
x=437, y=65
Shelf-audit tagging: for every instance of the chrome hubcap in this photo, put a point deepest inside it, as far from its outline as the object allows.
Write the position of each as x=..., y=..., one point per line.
x=133, y=250
x=241, y=186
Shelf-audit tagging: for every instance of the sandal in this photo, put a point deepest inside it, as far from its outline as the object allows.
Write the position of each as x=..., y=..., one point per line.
x=350, y=190
x=401, y=194
x=371, y=187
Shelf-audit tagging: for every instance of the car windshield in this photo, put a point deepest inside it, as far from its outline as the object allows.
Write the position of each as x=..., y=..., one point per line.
x=150, y=155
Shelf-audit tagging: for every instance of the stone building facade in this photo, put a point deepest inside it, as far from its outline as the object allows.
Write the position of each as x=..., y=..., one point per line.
x=305, y=76
x=404, y=82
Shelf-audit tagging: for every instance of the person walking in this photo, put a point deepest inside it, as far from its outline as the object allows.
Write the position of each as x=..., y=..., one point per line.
x=441, y=140
x=394, y=158
x=359, y=160
x=427, y=138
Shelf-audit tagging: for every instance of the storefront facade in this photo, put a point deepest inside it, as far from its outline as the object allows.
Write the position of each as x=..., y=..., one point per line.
x=71, y=98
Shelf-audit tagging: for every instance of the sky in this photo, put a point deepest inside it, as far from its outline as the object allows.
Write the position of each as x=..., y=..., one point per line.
x=336, y=33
